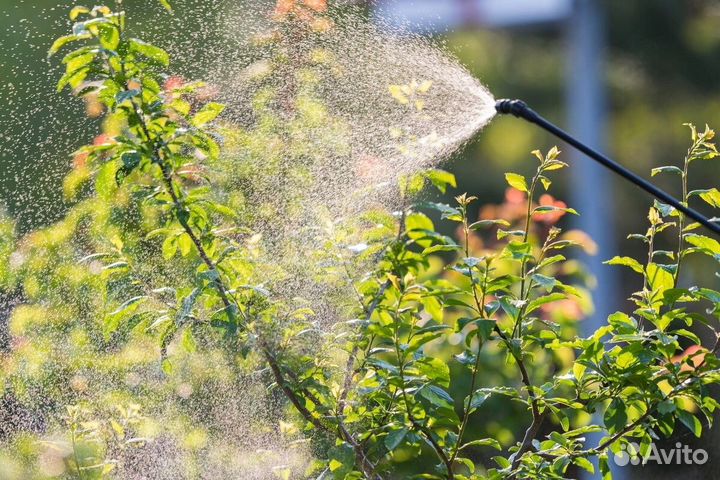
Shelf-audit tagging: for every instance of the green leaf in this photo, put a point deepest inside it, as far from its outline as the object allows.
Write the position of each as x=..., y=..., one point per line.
x=342, y=460
x=126, y=95
x=553, y=165
x=185, y=244
x=622, y=323
x=150, y=52
x=73, y=78
x=434, y=370
x=485, y=328
x=502, y=462
x=167, y=366
x=689, y=335
x=545, y=182
x=710, y=295
x=441, y=248
x=77, y=11
x=426, y=336
x=62, y=41
x=615, y=417
x=169, y=247
x=559, y=466
x=130, y=161
x=585, y=464
x=187, y=341
x=516, y=181
x=478, y=398
x=659, y=279
x=578, y=370
x=711, y=196
x=604, y=464
x=514, y=233
x=665, y=407
x=667, y=169
x=418, y=226
x=482, y=224
x=707, y=244
x=553, y=208
x=538, y=302
x=441, y=179
x=395, y=438
x=437, y=396
x=80, y=52
x=207, y=114
x=691, y=422
x=645, y=446
x=112, y=320
x=548, y=283
x=483, y=442
x=559, y=438
x=187, y=306
x=519, y=250
x=382, y=365
x=166, y=4
x=77, y=62
x=206, y=144
x=105, y=183
x=129, y=303
x=665, y=209
x=626, y=262
x=109, y=36
x=447, y=211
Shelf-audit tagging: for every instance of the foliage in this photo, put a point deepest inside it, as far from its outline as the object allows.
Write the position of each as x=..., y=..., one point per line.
x=161, y=261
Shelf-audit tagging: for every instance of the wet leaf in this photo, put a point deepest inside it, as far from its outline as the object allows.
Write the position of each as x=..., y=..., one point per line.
x=207, y=114
x=151, y=52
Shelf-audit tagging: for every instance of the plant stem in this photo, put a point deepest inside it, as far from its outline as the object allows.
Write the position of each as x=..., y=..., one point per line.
x=537, y=417
x=427, y=433
x=352, y=357
x=466, y=413
x=681, y=216
x=480, y=305
x=78, y=467
x=367, y=467
x=517, y=328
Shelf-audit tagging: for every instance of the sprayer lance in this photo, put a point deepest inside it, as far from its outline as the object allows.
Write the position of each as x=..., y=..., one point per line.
x=520, y=109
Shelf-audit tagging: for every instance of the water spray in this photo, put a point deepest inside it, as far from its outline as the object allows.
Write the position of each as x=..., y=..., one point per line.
x=520, y=109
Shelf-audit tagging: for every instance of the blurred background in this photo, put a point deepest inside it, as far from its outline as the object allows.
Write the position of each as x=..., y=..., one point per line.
x=623, y=76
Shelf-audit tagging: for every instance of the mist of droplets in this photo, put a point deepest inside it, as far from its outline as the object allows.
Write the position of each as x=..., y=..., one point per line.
x=390, y=104
x=401, y=103
x=406, y=105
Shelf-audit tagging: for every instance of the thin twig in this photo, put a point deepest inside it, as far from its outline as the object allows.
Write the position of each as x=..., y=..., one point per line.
x=367, y=467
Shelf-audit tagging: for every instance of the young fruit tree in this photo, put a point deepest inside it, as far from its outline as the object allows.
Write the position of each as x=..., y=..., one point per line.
x=165, y=297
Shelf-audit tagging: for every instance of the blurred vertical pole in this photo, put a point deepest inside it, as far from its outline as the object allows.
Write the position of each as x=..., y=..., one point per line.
x=591, y=188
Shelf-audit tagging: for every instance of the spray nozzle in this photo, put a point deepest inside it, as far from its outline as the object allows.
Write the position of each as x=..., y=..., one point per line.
x=514, y=107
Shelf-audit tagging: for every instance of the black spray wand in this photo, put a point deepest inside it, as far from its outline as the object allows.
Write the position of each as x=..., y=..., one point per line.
x=520, y=109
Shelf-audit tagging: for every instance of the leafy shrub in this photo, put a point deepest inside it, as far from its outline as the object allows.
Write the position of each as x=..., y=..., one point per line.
x=161, y=262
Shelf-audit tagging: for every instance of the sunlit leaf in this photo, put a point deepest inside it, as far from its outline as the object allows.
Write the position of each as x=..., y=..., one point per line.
x=627, y=262
x=516, y=181
x=62, y=41
x=710, y=196
x=667, y=169
x=207, y=114
x=149, y=51
x=166, y=4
